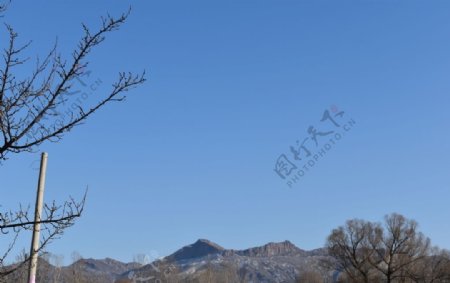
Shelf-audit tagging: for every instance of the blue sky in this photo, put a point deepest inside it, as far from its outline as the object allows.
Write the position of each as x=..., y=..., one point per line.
x=233, y=84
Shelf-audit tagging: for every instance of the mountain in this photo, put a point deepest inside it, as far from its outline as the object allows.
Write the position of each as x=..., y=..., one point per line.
x=107, y=268
x=83, y=270
x=285, y=248
x=202, y=261
x=198, y=249
x=205, y=261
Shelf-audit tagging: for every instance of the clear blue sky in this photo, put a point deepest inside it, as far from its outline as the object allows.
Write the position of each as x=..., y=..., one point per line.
x=233, y=84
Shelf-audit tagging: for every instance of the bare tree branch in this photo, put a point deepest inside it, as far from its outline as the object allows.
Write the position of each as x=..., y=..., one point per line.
x=31, y=112
x=55, y=220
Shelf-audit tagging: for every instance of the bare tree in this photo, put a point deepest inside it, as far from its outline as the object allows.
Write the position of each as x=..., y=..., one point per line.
x=348, y=244
x=56, y=218
x=433, y=268
x=33, y=111
x=21, y=274
x=394, y=252
x=397, y=247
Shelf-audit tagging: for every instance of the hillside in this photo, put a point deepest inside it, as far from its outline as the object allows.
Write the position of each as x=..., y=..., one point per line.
x=202, y=261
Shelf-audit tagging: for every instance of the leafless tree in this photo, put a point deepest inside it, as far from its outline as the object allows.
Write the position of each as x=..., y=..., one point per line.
x=56, y=218
x=433, y=268
x=46, y=271
x=349, y=245
x=397, y=247
x=33, y=111
x=393, y=252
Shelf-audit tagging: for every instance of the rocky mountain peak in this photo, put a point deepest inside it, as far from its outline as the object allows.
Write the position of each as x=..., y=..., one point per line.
x=198, y=249
x=272, y=249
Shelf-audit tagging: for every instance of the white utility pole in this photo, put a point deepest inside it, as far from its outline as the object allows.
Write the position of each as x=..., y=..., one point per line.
x=37, y=219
